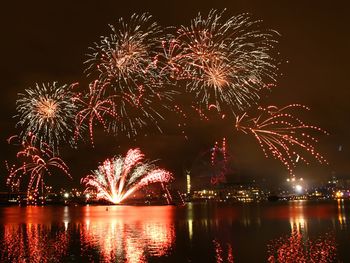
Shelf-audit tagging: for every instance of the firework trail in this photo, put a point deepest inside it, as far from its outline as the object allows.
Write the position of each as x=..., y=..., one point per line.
x=35, y=162
x=48, y=111
x=224, y=62
x=220, y=165
x=119, y=177
x=128, y=55
x=94, y=107
x=282, y=135
x=120, y=113
x=140, y=109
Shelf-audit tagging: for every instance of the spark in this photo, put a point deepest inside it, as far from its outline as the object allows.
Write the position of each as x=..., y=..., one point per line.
x=117, y=178
x=282, y=135
x=48, y=111
x=126, y=63
x=224, y=62
x=35, y=162
x=128, y=54
x=94, y=107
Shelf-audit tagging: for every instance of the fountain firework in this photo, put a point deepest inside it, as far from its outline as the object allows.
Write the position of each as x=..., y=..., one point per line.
x=117, y=178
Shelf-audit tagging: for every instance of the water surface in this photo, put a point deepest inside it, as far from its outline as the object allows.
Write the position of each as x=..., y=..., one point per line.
x=299, y=231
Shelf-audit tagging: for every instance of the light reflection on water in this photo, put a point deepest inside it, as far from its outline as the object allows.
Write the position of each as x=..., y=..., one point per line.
x=32, y=241
x=281, y=232
x=120, y=237
x=298, y=248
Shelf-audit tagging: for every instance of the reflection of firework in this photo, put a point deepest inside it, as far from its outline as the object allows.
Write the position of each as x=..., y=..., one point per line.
x=296, y=248
x=33, y=243
x=281, y=134
x=36, y=162
x=118, y=178
x=226, y=62
x=48, y=111
x=128, y=52
x=94, y=108
x=219, y=252
x=128, y=239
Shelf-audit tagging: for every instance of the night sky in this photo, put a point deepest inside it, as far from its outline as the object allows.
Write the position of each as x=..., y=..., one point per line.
x=45, y=42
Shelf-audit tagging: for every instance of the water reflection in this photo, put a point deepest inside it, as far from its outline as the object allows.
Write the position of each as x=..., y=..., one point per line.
x=341, y=214
x=129, y=238
x=299, y=249
x=298, y=246
x=33, y=243
x=278, y=232
x=223, y=252
x=115, y=234
x=127, y=233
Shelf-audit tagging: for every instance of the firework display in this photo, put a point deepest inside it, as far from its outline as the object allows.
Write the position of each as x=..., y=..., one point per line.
x=48, y=111
x=119, y=177
x=36, y=163
x=174, y=136
x=282, y=135
x=225, y=62
x=138, y=74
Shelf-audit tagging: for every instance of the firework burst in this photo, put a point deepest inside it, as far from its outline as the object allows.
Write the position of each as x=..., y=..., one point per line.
x=224, y=62
x=94, y=107
x=48, y=111
x=119, y=177
x=282, y=135
x=127, y=64
x=128, y=54
x=35, y=162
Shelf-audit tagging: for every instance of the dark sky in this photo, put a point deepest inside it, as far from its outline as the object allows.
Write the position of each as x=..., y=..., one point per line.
x=42, y=41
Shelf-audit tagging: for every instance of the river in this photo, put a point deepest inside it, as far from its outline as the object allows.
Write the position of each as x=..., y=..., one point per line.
x=298, y=231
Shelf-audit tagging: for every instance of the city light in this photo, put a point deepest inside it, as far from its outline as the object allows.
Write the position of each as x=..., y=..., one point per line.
x=188, y=182
x=298, y=188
